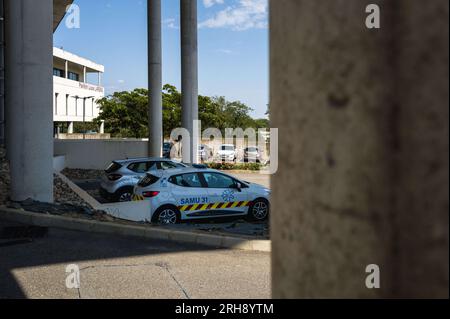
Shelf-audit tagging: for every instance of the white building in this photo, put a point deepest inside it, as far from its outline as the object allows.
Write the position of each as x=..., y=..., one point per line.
x=76, y=89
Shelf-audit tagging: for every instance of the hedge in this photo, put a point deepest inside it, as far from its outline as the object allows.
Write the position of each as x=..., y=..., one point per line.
x=236, y=167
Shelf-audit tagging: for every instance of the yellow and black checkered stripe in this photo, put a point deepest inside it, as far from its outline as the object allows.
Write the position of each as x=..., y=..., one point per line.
x=137, y=198
x=216, y=206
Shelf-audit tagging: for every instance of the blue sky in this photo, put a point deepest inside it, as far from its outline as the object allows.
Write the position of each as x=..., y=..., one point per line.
x=233, y=46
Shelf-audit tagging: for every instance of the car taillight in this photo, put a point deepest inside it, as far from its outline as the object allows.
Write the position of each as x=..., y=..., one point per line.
x=150, y=194
x=114, y=177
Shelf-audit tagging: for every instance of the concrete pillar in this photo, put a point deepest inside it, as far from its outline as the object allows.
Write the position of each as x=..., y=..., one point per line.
x=102, y=127
x=189, y=73
x=99, y=78
x=155, y=78
x=2, y=75
x=364, y=113
x=70, y=128
x=29, y=87
x=66, y=69
x=84, y=75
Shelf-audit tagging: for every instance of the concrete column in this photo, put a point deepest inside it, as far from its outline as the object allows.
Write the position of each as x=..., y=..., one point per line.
x=99, y=78
x=364, y=113
x=84, y=75
x=102, y=127
x=29, y=88
x=2, y=76
x=155, y=78
x=66, y=69
x=189, y=73
x=70, y=129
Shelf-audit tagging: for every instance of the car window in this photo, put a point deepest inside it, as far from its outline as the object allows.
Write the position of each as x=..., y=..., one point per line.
x=186, y=180
x=219, y=181
x=152, y=166
x=140, y=167
x=167, y=165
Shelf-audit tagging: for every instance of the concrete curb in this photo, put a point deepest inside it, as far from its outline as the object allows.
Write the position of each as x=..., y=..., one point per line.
x=68, y=223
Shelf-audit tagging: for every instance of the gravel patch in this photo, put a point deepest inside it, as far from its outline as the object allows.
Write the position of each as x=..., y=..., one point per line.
x=83, y=174
x=65, y=195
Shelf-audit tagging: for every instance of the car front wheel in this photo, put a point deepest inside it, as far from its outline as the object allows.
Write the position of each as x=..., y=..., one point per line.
x=259, y=210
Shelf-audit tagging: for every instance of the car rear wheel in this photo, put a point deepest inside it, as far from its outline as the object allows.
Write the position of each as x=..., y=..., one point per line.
x=124, y=195
x=167, y=215
x=259, y=210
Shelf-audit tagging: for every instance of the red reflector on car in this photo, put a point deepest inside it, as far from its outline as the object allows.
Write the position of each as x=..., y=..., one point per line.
x=150, y=194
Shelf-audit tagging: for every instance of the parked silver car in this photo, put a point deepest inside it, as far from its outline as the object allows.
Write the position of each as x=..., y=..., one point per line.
x=122, y=176
x=252, y=154
x=227, y=153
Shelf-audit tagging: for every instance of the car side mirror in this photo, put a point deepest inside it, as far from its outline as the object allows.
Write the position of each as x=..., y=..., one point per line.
x=239, y=187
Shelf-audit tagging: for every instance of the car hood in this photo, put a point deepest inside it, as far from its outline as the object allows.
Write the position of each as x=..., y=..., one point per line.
x=225, y=152
x=258, y=187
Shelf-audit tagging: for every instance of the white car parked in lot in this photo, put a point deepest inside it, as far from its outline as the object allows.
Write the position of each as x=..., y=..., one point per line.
x=121, y=176
x=227, y=153
x=185, y=194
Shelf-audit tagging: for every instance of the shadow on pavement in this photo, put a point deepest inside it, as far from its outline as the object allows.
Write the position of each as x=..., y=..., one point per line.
x=22, y=246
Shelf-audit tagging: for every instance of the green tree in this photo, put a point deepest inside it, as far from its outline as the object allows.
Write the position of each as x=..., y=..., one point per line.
x=171, y=109
x=126, y=113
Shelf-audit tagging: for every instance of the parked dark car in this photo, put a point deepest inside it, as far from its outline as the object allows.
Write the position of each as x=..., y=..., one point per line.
x=167, y=148
x=252, y=154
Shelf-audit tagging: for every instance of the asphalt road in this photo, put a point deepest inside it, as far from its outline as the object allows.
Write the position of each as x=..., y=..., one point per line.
x=115, y=267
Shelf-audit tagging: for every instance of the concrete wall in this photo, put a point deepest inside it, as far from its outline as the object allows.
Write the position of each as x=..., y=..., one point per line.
x=363, y=176
x=94, y=153
x=98, y=154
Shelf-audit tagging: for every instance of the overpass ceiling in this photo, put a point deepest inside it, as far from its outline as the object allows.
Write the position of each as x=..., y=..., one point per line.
x=59, y=11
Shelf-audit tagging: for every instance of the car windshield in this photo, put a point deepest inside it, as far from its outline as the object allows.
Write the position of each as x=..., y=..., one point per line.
x=252, y=149
x=113, y=167
x=227, y=148
x=148, y=180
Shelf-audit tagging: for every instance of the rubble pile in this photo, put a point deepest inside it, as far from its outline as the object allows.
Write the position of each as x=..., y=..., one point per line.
x=63, y=194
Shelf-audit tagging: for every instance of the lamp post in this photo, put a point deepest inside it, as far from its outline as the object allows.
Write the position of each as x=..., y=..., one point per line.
x=76, y=97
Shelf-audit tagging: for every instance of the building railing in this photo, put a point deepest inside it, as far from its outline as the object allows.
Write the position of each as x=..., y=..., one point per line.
x=78, y=84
